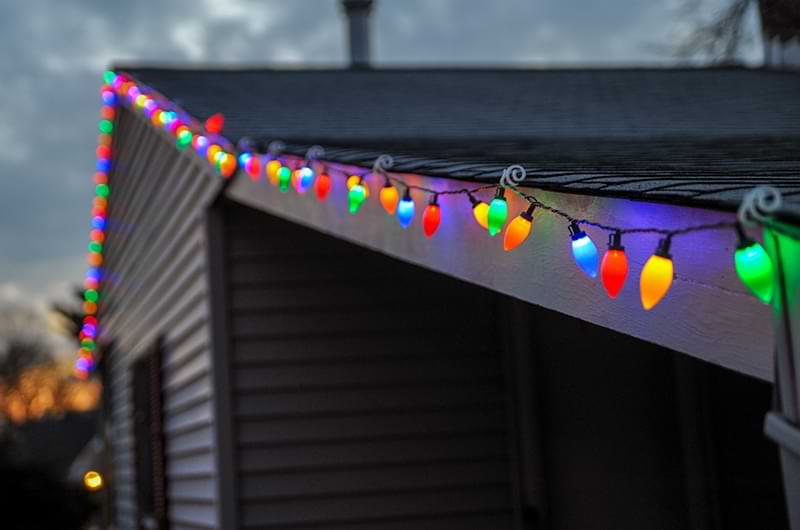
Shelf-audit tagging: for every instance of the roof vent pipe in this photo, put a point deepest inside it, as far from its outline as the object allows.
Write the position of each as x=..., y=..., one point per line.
x=358, y=13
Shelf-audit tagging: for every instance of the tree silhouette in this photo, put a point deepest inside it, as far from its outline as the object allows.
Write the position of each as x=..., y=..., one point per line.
x=719, y=39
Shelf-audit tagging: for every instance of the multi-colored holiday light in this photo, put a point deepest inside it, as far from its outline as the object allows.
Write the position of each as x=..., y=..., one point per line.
x=431, y=217
x=614, y=266
x=754, y=267
x=518, y=229
x=656, y=277
x=751, y=261
x=583, y=250
x=405, y=209
x=498, y=212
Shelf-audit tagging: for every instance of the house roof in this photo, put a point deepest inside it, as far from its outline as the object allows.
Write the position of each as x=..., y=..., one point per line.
x=698, y=136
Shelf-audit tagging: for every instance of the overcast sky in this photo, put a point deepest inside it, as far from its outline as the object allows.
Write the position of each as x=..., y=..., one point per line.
x=52, y=58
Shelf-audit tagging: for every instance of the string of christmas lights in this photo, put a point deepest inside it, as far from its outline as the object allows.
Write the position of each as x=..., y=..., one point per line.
x=288, y=171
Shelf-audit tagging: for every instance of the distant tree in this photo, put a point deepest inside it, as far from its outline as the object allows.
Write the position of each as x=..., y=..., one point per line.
x=71, y=315
x=718, y=39
x=21, y=343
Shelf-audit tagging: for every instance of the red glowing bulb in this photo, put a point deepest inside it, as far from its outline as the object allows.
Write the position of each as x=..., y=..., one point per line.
x=215, y=122
x=103, y=151
x=322, y=186
x=431, y=217
x=614, y=267
x=253, y=168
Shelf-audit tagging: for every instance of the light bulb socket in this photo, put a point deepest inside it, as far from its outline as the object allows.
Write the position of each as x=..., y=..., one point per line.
x=575, y=231
x=528, y=214
x=615, y=241
x=473, y=200
x=663, y=247
x=407, y=194
x=744, y=241
x=500, y=193
x=387, y=183
x=434, y=200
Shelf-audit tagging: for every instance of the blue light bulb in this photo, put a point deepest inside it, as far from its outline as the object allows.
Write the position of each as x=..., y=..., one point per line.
x=306, y=179
x=583, y=250
x=405, y=210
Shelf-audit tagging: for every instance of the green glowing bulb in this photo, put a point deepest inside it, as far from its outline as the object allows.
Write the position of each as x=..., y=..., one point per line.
x=106, y=126
x=109, y=76
x=755, y=269
x=498, y=212
x=356, y=197
x=94, y=246
x=90, y=295
x=184, y=140
x=102, y=190
x=284, y=177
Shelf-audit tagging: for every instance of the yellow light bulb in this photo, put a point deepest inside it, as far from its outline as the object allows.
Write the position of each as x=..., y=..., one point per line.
x=352, y=180
x=93, y=480
x=656, y=277
x=481, y=213
x=272, y=171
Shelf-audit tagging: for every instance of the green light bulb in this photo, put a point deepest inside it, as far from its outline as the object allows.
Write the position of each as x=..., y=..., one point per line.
x=109, y=76
x=356, y=197
x=94, y=246
x=102, y=190
x=498, y=212
x=755, y=269
x=106, y=126
x=284, y=177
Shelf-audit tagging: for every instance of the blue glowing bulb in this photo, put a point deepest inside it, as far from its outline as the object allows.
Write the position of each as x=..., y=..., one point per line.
x=405, y=210
x=243, y=158
x=103, y=165
x=584, y=251
x=305, y=180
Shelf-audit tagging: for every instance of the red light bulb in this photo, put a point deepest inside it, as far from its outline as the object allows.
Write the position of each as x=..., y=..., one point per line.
x=322, y=186
x=215, y=122
x=253, y=167
x=431, y=217
x=614, y=267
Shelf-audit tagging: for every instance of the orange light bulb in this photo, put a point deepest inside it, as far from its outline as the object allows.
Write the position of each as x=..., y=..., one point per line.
x=518, y=229
x=656, y=277
x=389, y=198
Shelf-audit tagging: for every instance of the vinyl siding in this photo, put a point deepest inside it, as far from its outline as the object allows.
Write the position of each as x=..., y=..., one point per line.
x=368, y=393
x=155, y=285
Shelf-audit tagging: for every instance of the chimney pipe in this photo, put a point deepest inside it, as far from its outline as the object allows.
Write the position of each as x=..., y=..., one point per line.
x=358, y=13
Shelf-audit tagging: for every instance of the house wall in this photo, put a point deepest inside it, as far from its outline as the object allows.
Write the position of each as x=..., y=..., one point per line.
x=367, y=394
x=707, y=314
x=155, y=285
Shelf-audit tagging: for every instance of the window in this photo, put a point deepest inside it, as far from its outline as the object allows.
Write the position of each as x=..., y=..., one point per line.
x=149, y=434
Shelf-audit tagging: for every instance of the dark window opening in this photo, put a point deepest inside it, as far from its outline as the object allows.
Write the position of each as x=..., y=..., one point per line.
x=149, y=434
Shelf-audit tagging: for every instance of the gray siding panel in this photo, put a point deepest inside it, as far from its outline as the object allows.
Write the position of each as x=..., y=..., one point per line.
x=367, y=394
x=155, y=285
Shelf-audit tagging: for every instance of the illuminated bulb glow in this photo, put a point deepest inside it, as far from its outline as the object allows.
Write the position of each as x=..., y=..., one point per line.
x=355, y=179
x=480, y=211
x=273, y=166
x=305, y=178
x=355, y=198
x=656, y=278
x=583, y=250
x=518, y=230
x=322, y=186
x=214, y=123
x=253, y=168
x=498, y=212
x=389, y=198
x=614, y=266
x=754, y=268
x=431, y=217
x=284, y=175
x=93, y=481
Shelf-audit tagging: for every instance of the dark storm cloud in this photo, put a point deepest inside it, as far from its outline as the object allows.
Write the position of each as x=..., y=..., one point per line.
x=53, y=56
